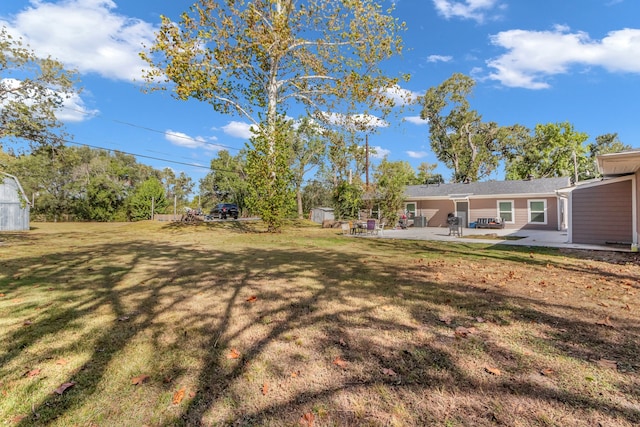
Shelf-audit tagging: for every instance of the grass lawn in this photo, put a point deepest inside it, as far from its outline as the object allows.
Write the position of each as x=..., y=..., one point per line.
x=158, y=324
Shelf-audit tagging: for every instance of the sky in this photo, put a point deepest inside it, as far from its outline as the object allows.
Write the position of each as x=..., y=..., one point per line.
x=542, y=61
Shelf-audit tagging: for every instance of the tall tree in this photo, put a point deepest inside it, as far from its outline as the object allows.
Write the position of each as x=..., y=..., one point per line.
x=270, y=192
x=226, y=182
x=554, y=150
x=427, y=175
x=308, y=147
x=32, y=90
x=459, y=137
x=391, y=180
x=148, y=196
x=256, y=58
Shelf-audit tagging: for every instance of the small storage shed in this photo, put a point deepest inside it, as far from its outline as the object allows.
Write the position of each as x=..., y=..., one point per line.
x=319, y=215
x=14, y=205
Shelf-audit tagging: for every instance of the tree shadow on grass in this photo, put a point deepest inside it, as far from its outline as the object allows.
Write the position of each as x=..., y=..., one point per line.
x=313, y=306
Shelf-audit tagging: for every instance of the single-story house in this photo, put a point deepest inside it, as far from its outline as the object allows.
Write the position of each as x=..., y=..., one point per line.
x=521, y=204
x=14, y=205
x=606, y=211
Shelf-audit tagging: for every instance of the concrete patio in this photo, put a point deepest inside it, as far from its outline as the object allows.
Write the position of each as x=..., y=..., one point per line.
x=553, y=239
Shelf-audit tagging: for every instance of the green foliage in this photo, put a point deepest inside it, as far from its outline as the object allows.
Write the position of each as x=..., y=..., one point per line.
x=69, y=183
x=32, y=89
x=347, y=200
x=391, y=180
x=426, y=174
x=270, y=192
x=227, y=181
x=308, y=147
x=459, y=138
x=316, y=194
x=149, y=194
x=554, y=150
x=178, y=188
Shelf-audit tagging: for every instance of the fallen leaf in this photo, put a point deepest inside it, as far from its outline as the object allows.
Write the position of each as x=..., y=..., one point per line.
x=480, y=319
x=295, y=374
x=18, y=418
x=446, y=320
x=340, y=362
x=389, y=372
x=265, y=389
x=27, y=323
x=178, y=396
x=252, y=298
x=307, y=419
x=1, y=295
x=547, y=372
x=192, y=394
x=606, y=363
x=140, y=379
x=493, y=371
x=233, y=354
x=462, y=332
x=33, y=373
x=606, y=322
x=61, y=362
x=64, y=387
x=123, y=318
x=342, y=342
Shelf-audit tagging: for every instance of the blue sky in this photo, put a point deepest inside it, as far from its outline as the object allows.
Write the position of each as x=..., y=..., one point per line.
x=534, y=62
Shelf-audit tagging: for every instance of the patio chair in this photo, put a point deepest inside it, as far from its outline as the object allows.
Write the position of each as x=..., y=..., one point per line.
x=346, y=228
x=371, y=226
x=380, y=229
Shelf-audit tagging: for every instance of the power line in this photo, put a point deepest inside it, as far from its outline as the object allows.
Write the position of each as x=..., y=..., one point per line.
x=175, y=135
x=149, y=157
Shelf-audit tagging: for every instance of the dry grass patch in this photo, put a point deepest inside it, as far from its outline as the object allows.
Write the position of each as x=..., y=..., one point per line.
x=221, y=324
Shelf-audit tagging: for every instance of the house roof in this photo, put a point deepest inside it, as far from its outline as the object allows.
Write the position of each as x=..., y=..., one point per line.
x=487, y=188
x=622, y=163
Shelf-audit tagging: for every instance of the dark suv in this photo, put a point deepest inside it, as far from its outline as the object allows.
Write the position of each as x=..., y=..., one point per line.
x=224, y=210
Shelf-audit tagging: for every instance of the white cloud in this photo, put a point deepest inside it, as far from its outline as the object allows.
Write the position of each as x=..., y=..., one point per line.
x=439, y=58
x=401, y=96
x=417, y=154
x=86, y=35
x=416, y=120
x=74, y=110
x=238, y=129
x=183, y=140
x=380, y=153
x=534, y=55
x=73, y=107
x=467, y=9
x=358, y=121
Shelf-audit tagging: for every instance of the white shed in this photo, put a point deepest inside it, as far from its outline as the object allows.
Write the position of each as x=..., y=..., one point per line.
x=320, y=215
x=14, y=205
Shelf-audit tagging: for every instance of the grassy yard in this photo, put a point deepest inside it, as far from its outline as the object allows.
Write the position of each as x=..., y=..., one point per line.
x=156, y=324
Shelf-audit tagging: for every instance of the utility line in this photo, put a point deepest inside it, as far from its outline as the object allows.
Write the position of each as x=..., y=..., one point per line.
x=173, y=134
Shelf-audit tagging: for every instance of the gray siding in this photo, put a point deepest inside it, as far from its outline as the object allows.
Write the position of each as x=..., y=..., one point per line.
x=602, y=214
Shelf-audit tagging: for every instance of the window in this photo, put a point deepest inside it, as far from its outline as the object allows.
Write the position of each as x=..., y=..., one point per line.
x=410, y=209
x=538, y=211
x=505, y=210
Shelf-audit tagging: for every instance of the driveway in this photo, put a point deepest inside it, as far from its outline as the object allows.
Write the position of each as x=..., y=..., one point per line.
x=552, y=239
